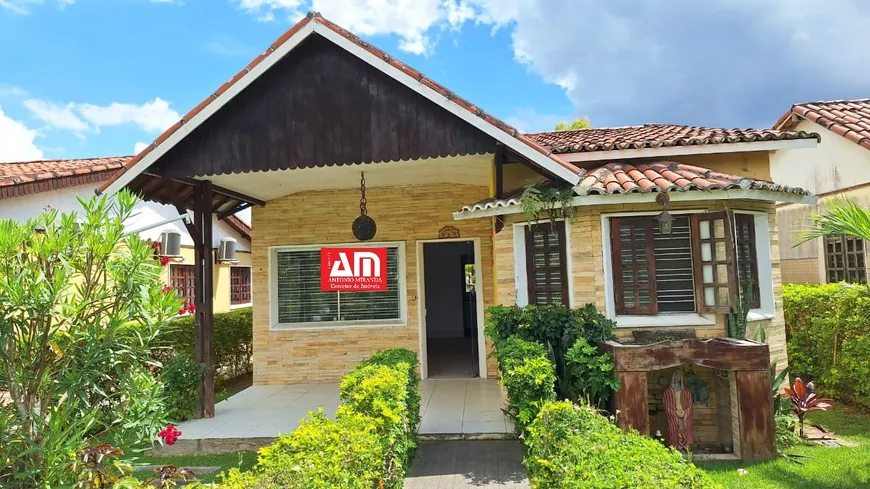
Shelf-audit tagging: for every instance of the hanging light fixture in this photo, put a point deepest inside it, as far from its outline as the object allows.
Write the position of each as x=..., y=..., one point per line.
x=364, y=227
x=665, y=219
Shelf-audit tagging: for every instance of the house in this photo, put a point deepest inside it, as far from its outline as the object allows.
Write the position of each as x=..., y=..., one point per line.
x=336, y=144
x=838, y=167
x=26, y=188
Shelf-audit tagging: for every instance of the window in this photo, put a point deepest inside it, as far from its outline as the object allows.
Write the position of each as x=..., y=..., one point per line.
x=844, y=259
x=299, y=299
x=696, y=268
x=181, y=278
x=240, y=285
x=546, y=266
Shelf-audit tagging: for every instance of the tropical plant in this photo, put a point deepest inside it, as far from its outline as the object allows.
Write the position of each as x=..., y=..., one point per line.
x=581, y=123
x=100, y=466
x=738, y=320
x=180, y=376
x=82, y=304
x=590, y=374
x=838, y=216
x=776, y=387
x=556, y=201
x=804, y=400
x=168, y=476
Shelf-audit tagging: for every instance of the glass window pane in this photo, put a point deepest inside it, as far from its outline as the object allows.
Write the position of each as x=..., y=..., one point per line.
x=704, y=227
x=710, y=296
x=707, y=271
x=719, y=228
x=706, y=252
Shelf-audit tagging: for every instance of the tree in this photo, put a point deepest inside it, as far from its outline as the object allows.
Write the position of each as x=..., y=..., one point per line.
x=581, y=123
x=81, y=305
x=838, y=216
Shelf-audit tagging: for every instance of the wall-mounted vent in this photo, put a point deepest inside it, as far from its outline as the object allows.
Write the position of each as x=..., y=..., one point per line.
x=170, y=243
x=227, y=250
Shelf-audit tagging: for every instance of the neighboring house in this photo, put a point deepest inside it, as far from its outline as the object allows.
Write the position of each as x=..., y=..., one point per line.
x=26, y=188
x=838, y=167
x=295, y=129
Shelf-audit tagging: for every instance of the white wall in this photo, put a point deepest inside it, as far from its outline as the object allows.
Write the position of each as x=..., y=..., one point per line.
x=21, y=208
x=834, y=164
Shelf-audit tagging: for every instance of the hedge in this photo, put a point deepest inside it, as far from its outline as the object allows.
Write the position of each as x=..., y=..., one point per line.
x=570, y=446
x=233, y=341
x=528, y=377
x=828, y=332
x=370, y=444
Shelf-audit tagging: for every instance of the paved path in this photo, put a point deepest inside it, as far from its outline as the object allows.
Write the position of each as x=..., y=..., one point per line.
x=468, y=464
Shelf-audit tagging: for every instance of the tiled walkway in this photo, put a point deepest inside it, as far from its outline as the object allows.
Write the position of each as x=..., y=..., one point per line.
x=458, y=407
x=468, y=464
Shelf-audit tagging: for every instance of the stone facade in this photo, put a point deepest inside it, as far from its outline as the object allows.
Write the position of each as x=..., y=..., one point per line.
x=403, y=214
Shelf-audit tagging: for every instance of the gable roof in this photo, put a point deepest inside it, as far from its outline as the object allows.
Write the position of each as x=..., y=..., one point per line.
x=655, y=136
x=31, y=177
x=848, y=118
x=314, y=23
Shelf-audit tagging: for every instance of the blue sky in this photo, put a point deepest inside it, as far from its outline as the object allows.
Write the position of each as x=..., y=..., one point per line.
x=83, y=78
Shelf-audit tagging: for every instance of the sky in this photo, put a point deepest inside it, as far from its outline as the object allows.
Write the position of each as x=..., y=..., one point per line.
x=89, y=78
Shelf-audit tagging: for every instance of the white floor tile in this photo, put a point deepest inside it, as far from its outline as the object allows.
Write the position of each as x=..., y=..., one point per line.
x=482, y=416
x=483, y=426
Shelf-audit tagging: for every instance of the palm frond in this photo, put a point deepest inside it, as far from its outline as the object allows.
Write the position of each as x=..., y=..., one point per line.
x=838, y=216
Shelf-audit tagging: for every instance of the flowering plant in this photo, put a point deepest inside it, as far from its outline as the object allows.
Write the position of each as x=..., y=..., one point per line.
x=187, y=308
x=169, y=434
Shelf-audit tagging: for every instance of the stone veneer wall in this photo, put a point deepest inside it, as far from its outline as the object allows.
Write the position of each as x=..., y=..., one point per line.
x=587, y=265
x=405, y=214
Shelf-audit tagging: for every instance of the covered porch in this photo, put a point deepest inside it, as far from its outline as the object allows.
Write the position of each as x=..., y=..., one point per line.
x=450, y=409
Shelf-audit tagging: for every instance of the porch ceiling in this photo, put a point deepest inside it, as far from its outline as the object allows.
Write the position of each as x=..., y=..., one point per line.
x=468, y=170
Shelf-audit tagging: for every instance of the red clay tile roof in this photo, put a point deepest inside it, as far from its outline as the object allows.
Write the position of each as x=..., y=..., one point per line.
x=644, y=178
x=316, y=17
x=655, y=136
x=31, y=177
x=239, y=225
x=848, y=118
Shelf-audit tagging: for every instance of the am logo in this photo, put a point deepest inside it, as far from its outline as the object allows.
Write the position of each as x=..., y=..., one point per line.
x=353, y=269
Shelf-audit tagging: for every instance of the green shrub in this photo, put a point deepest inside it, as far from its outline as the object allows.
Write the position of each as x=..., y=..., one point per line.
x=570, y=446
x=233, y=341
x=180, y=376
x=528, y=377
x=369, y=445
x=590, y=374
x=828, y=330
x=558, y=328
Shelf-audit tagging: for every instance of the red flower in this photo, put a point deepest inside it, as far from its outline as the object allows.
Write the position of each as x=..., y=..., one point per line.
x=164, y=260
x=169, y=434
x=166, y=289
x=187, y=308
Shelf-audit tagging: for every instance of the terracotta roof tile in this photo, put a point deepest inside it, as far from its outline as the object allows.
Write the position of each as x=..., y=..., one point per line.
x=654, y=136
x=645, y=178
x=847, y=118
x=12, y=174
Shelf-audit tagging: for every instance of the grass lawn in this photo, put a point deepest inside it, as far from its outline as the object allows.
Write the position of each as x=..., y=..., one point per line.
x=826, y=468
x=243, y=460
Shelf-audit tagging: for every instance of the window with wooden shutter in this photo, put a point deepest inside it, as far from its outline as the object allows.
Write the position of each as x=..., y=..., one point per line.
x=747, y=261
x=546, y=264
x=844, y=259
x=714, y=262
x=240, y=285
x=182, y=279
x=633, y=265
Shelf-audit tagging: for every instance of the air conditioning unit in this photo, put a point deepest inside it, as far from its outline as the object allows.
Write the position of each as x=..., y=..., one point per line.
x=226, y=252
x=170, y=243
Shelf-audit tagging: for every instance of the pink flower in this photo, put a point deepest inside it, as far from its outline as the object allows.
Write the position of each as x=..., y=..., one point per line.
x=169, y=434
x=166, y=289
x=164, y=260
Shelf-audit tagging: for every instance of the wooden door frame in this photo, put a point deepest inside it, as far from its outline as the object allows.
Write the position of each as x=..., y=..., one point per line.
x=421, y=302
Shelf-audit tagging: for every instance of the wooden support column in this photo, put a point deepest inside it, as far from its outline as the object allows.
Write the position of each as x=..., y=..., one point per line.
x=755, y=406
x=632, y=403
x=204, y=298
x=499, y=182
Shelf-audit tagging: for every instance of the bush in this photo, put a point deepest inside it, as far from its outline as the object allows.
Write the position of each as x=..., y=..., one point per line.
x=233, y=341
x=180, y=376
x=528, y=377
x=558, y=329
x=570, y=446
x=369, y=445
x=828, y=329
x=590, y=374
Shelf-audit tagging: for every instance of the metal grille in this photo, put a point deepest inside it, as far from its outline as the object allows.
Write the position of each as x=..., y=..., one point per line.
x=844, y=259
x=240, y=285
x=182, y=279
x=675, y=288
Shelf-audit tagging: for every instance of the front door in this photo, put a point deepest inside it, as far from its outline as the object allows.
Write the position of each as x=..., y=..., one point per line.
x=450, y=310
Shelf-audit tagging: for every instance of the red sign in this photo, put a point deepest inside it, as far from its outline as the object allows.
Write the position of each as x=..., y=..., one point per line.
x=353, y=269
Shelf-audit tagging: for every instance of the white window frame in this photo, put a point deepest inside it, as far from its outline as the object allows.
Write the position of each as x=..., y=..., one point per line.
x=274, y=325
x=521, y=279
x=246, y=304
x=765, y=277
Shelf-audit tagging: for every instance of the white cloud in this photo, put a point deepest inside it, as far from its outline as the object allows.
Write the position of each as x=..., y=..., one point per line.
x=22, y=7
x=12, y=91
x=57, y=116
x=79, y=118
x=530, y=120
x=17, y=141
x=150, y=116
x=139, y=146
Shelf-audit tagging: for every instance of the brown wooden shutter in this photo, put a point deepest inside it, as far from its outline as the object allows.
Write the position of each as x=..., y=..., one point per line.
x=546, y=265
x=633, y=259
x=747, y=261
x=714, y=262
